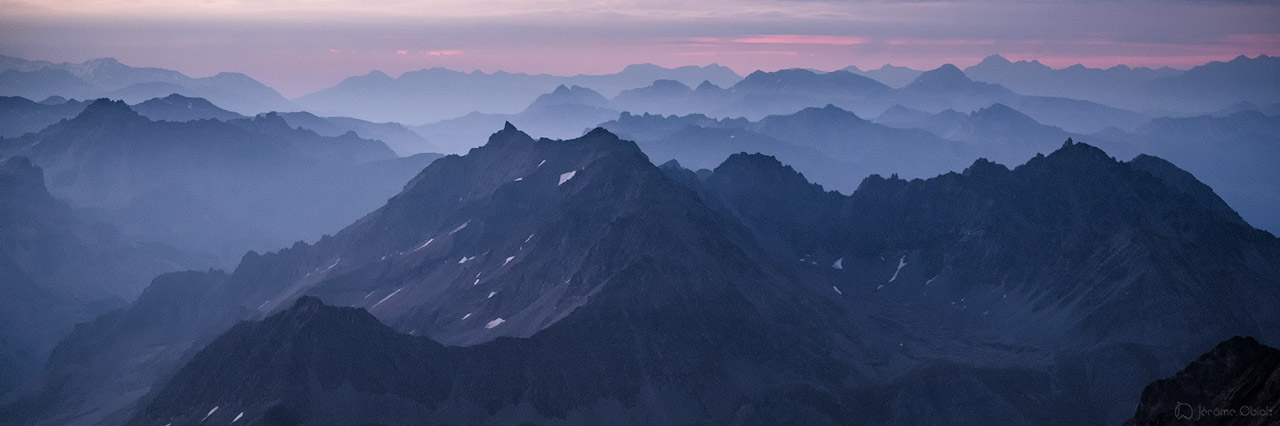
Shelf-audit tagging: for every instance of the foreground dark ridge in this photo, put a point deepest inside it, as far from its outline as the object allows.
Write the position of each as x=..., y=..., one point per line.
x=1237, y=383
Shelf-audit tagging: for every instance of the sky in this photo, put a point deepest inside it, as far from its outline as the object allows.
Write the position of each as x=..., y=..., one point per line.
x=300, y=46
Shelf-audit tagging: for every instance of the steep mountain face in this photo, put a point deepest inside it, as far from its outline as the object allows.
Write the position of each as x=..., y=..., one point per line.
x=107, y=77
x=179, y=108
x=1237, y=383
x=1073, y=257
x=209, y=186
x=57, y=269
x=19, y=116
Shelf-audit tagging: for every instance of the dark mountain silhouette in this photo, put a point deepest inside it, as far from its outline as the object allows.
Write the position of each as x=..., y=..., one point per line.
x=1236, y=383
x=176, y=107
x=431, y=95
x=58, y=268
x=19, y=116
x=107, y=77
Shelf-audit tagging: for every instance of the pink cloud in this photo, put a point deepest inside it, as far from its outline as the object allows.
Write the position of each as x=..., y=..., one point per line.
x=402, y=52
x=443, y=52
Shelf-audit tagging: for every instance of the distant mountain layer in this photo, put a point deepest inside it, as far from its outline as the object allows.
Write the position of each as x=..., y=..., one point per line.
x=212, y=186
x=431, y=95
x=566, y=112
x=783, y=92
x=106, y=77
x=58, y=268
x=1202, y=89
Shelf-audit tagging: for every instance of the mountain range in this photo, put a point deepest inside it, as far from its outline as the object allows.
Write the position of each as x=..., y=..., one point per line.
x=1163, y=91
x=435, y=94
x=573, y=282
x=211, y=186
x=59, y=267
x=107, y=77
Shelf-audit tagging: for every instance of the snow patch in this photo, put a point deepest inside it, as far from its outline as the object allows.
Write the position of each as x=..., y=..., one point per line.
x=901, y=262
x=494, y=323
x=491, y=294
x=543, y=162
x=518, y=179
x=335, y=263
x=837, y=289
x=206, y=416
x=930, y=280
x=526, y=240
x=424, y=245
x=459, y=228
x=238, y=416
x=385, y=298
x=839, y=264
x=264, y=304
x=477, y=282
x=509, y=259
x=879, y=287
x=468, y=315
x=564, y=177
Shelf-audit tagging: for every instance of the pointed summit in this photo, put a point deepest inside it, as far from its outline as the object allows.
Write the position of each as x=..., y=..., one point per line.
x=994, y=60
x=107, y=110
x=944, y=77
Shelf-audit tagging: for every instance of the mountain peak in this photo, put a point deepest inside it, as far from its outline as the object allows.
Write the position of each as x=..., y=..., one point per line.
x=509, y=135
x=707, y=85
x=994, y=60
x=107, y=109
x=944, y=77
